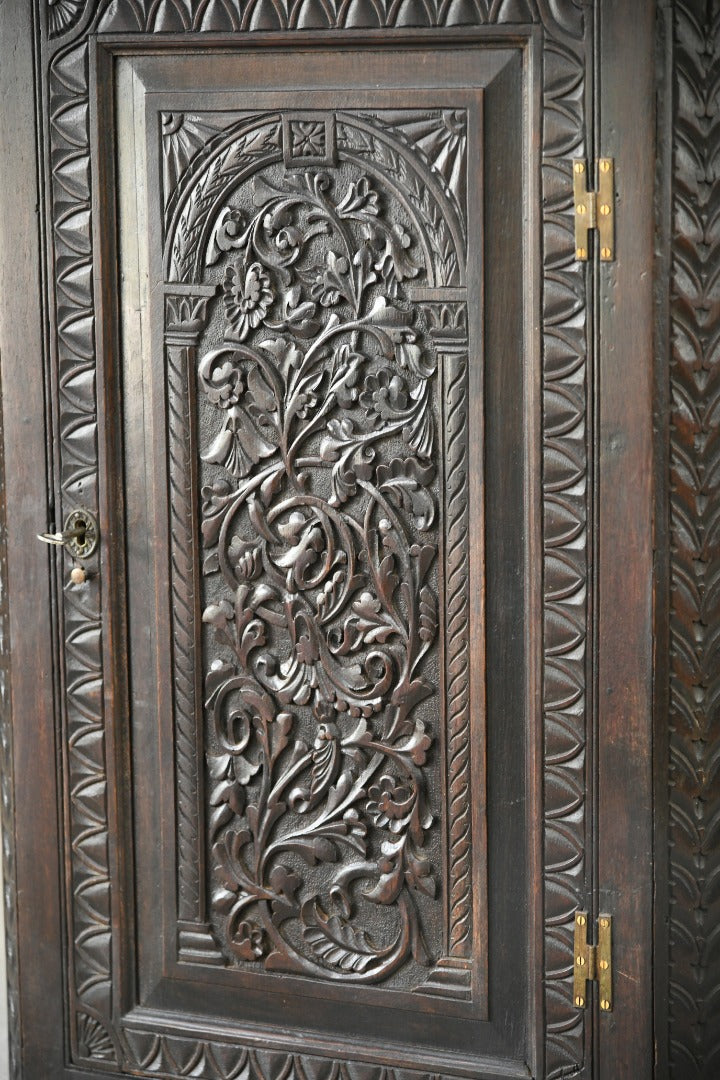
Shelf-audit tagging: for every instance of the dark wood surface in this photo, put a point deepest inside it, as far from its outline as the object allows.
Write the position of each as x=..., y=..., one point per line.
x=525, y=706
x=33, y=874
x=625, y=539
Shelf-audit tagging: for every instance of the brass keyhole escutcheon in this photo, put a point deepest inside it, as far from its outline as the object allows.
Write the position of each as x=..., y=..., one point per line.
x=79, y=537
x=81, y=534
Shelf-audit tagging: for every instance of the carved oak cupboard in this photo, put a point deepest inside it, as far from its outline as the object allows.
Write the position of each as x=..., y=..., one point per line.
x=331, y=689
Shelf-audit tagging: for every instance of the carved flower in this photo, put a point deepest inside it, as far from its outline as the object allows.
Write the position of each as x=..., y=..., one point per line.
x=225, y=386
x=245, y=559
x=308, y=138
x=385, y=395
x=305, y=402
x=332, y=281
x=247, y=298
x=93, y=1040
x=393, y=261
x=389, y=803
x=248, y=941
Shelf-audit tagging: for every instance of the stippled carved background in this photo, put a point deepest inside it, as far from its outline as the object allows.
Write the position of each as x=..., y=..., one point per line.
x=565, y=434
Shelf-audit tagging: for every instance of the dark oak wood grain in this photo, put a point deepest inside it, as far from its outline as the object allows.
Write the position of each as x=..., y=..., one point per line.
x=625, y=540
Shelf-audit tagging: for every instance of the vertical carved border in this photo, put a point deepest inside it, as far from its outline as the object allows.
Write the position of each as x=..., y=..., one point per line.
x=566, y=832
x=448, y=328
x=447, y=323
x=457, y=665
x=85, y=782
x=564, y=458
x=7, y=799
x=694, y=703
x=185, y=318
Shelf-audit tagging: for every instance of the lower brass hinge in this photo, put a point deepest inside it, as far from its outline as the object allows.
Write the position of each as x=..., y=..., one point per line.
x=592, y=961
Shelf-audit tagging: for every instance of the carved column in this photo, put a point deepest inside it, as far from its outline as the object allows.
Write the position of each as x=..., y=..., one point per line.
x=185, y=319
x=446, y=318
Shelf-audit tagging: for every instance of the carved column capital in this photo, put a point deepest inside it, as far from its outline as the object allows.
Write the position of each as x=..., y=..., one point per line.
x=186, y=312
x=445, y=312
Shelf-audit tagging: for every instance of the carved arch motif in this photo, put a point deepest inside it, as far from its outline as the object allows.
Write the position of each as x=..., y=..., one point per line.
x=252, y=144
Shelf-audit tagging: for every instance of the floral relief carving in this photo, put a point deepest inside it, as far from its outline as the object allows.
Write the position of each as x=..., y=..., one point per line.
x=320, y=533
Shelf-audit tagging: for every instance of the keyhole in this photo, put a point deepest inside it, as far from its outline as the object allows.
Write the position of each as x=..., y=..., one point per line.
x=81, y=538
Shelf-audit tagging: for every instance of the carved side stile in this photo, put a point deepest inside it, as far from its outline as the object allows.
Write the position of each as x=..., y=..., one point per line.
x=7, y=797
x=86, y=778
x=565, y=545
x=694, y=763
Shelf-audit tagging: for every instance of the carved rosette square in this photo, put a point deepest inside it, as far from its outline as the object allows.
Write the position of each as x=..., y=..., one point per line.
x=308, y=139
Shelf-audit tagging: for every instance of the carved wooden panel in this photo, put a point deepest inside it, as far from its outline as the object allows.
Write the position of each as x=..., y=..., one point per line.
x=395, y=652
x=694, y=773
x=337, y=319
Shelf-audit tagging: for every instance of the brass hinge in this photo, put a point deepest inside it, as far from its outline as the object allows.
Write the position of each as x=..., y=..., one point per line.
x=593, y=961
x=594, y=209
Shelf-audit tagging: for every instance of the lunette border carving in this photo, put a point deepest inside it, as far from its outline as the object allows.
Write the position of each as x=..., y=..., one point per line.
x=564, y=443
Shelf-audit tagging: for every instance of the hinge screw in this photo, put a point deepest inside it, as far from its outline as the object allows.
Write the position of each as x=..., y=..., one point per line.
x=579, y=167
x=581, y=209
x=579, y=1001
x=580, y=961
x=604, y=209
x=605, y=1004
x=604, y=923
x=581, y=920
x=604, y=965
x=604, y=165
x=581, y=254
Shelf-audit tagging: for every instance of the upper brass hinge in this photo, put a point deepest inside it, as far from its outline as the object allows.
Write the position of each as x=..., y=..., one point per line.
x=594, y=209
x=592, y=961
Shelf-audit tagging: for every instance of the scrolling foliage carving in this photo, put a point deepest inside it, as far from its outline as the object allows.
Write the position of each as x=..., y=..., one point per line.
x=694, y=766
x=320, y=533
x=564, y=452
